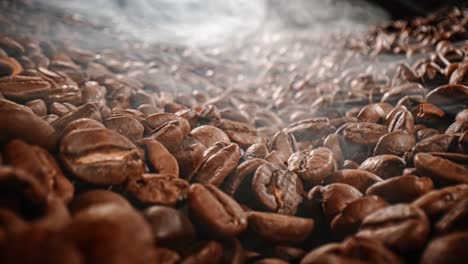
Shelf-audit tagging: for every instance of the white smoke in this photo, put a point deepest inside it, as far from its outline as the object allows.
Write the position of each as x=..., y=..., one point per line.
x=210, y=22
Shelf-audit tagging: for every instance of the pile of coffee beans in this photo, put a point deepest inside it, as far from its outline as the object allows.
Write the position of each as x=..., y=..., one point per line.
x=150, y=153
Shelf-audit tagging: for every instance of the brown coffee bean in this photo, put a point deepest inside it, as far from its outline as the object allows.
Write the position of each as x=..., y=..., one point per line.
x=216, y=211
x=447, y=249
x=395, y=143
x=350, y=165
x=157, y=189
x=171, y=134
x=20, y=123
x=426, y=133
x=96, y=198
x=374, y=113
x=257, y=150
x=58, y=109
x=310, y=129
x=453, y=95
x=82, y=123
x=401, y=189
x=275, y=157
x=391, y=115
x=364, y=133
x=217, y=166
x=90, y=111
x=437, y=202
x=242, y=176
x=209, y=252
x=333, y=143
x=167, y=256
x=11, y=46
x=403, y=121
x=159, y=158
x=9, y=67
x=437, y=143
x=283, y=142
x=402, y=227
x=189, y=157
x=348, y=221
x=384, y=166
x=117, y=225
x=125, y=125
x=40, y=164
x=455, y=218
x=442, y=171
x=158, y=120
x=282, y=229
x=24, y=88
x=170, y=228
x=358, y=179
x=277, y=189
x=240, y=133
x=100, y=156
x=38, y=107
x=314, y=167
x=396, y=93
x=353, y=250
x=209, y=135
x=333, y=198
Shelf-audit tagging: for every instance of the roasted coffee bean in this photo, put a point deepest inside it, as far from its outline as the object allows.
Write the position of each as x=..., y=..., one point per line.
x=442, y=171
x=234, y=252
x=82, y=123
x=96, y=198
x=189, y=157
x=333, y=143
x=171, y=134
x=9, y=67
x=364, y=133
x=350, y=165
x=164, y=255
x=359, y=179
x=90, y=111
x=275, y=157
x=24, y=88
x=426, y=133
x=349, y=219
x=455, y=218
x=216, y=211
x=157, y=189
x=374, y=113
x=314, y=167
x=401, y=189
x=125, y=125
x=447, y=249
x=58, y=109
x=277, y=189
x=396, y=93
x=395, y=143
x=40, y=164
x=115, y=224
x=20, y=123
x=208, y=135
x=240, y=133
x=333, y=198
x=242, y=177
x=257, y=150
x=384, y=166
x=38, y=107
x=437, y=143
x=100, y=156
x=283, y=142
x=453, y=95
x=352, y=250
x=160, y=159
x=217, y=166
x=209, y=252
x=439, y=201
x=170, y=228
x=403, y=121
x=281, y=229
x=402, y=227
x=310, y=129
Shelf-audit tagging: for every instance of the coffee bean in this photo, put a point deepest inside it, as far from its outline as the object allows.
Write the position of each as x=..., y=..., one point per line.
x=240, y=133
x=277, y=189
x=160, y=159
x=209, y=252
x=216, y=211
x=82, y=123
x=157, y=189
x=310, y=129
x=333, y=143
x=208, y=135
x=125, y=125
x=359, y=179
x=96, y=198
x=275, y=157
x=396, y=93
x=90, y=111
x=24, y=88
x=257, y=150
x=455, y=218
x=395, y=143
x=217, y=166
x=189, y=157
x=402, y=227
x=100, y=156
x=453, y=95
x=333, y=198
x=439, y=201
x=364, y=133
x=164, y=255
x=350, y=165
x=442, y=171
x=401, y=189
x=447, y=249
x=352, y=250
x=374, y=113
x=314, y=167
x=240, y=180
x=40, y=164
x=403, y=121
x=281, y=229
x=170, y=228
x=284, y=142
x=349, y=219
x=38, y=107
x=384, y=166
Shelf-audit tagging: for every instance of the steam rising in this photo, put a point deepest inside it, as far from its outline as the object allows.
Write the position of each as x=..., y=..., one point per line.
x=214, y=22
